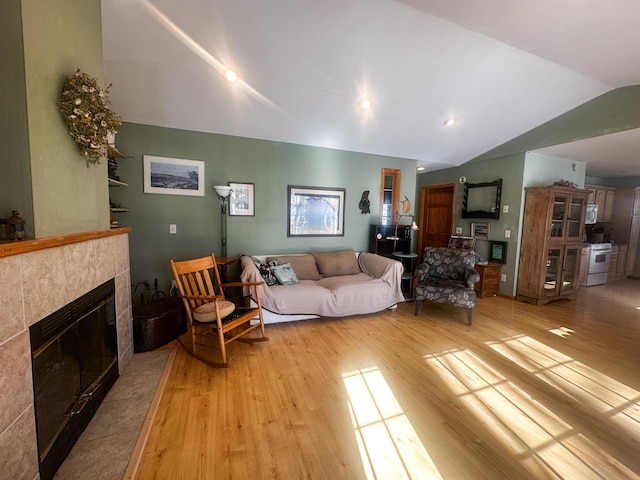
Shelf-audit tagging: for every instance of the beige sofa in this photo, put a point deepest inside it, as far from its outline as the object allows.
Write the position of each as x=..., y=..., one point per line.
x=333, y=284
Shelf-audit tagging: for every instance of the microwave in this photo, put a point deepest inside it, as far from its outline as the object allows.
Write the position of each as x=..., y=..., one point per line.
x=592, y=213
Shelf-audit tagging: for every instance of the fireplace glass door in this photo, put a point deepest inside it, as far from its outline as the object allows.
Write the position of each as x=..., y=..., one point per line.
x=74, y=360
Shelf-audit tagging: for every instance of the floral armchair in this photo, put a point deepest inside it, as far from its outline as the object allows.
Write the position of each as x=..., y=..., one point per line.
x=447, y=276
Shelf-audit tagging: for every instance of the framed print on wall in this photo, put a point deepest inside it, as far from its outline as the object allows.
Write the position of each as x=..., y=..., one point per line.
x=480, y=231
x=173, y=176
x=461, y=242
x=315, y=212
x=497, y=251
x=242, y=199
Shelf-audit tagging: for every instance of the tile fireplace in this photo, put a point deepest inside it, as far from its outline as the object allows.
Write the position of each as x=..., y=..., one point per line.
x=37, y=278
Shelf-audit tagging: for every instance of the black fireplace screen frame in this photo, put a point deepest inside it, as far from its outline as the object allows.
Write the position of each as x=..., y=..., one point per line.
x=74, y=364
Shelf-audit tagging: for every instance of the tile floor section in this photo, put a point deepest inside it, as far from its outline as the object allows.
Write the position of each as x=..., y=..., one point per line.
x=104, y=449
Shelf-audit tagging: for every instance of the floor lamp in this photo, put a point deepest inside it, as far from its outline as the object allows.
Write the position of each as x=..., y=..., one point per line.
x=223, y=192
x=413, y=227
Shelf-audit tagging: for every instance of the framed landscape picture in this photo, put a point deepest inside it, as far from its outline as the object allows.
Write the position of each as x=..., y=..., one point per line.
x=315, y=212
x=480, y=231
x=173, y=176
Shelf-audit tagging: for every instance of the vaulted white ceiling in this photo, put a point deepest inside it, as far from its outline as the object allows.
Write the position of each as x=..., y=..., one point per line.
x=500, y=67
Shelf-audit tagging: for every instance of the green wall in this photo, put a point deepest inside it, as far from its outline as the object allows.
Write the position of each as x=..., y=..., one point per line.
x=517, y=172
x=271, y=166
x=615, y=111
x=46, y=176
x=510, y=169
x=15, y=181
x=618, y=182
x=59, y=37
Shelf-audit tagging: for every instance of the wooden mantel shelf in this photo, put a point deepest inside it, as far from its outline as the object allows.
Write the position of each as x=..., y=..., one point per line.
x=25, y=246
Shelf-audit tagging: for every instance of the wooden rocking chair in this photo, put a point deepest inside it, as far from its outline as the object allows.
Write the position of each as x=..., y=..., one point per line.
x=209, y=313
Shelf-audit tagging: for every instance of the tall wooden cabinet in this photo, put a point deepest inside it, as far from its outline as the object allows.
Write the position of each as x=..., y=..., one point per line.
x=626, y=224
x=552, y=235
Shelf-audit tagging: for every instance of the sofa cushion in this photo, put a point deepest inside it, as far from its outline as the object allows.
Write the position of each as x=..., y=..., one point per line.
x=333, y=264
x=304, y=265
x=285, y=274
x=446, y=290
x=207, y=312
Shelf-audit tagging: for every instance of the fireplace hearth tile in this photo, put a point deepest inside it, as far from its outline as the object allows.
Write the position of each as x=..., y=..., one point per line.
x=16, y=381
x=105, y=256
x=104, y=449
x=11, y=298
x=20, y=440
x=123, y=293
x=122, y=254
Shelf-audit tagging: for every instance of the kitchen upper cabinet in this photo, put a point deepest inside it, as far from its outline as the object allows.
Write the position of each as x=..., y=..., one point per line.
x=605, y=198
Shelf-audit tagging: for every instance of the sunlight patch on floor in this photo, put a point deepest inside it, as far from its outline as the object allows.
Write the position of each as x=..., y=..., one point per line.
x=389, y=445
x=562, y=331
x=543, y=443
x=588, y=386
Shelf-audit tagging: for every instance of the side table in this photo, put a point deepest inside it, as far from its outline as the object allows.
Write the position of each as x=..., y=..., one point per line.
x=489, y=284
x=223, y=264
x=408, y=261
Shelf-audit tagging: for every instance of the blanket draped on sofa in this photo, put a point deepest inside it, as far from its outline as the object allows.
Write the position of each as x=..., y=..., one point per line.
x=372, y=286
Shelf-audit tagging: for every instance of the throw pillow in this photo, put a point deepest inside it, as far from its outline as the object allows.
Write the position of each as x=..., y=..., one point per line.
x=207, y=312
x=334, y=264
x=265, y=270
x=285, y=274
x=304, y=265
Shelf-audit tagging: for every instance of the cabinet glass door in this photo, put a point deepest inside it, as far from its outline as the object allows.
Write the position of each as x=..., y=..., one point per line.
x=576, y=211
x=552, y=274
x=570, y=264
x=558, y=216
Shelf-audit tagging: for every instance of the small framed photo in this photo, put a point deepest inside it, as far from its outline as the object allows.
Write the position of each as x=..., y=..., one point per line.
x=480, y=231
x=242, y=200
x=173, y=176
x=497, y=251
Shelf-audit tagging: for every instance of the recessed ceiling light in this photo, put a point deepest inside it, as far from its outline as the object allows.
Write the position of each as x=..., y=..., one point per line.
x=450, y=121
x=420, y=169
x=231, y=75
x=365, y=104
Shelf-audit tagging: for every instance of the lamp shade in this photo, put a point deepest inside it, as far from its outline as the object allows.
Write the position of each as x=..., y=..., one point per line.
x=223, y=191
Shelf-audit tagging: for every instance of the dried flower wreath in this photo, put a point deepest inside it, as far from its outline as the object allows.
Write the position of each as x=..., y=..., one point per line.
x=86, y=111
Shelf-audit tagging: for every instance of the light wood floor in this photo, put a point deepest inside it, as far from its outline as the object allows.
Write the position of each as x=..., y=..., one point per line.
x=527, y=392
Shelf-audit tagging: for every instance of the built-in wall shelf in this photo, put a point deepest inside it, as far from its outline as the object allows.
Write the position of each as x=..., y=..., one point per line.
x=117, y=183
x=114, y=152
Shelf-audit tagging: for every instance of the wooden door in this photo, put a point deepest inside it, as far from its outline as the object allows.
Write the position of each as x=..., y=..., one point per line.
x=437, y=204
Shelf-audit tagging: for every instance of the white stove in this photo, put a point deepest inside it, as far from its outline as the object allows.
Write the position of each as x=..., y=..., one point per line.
x=598, y=269
x=600, y=246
